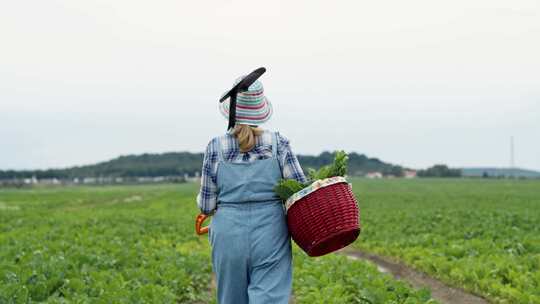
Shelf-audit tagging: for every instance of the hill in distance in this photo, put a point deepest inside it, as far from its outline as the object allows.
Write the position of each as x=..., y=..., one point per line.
x=181, y=163
x=499, y=172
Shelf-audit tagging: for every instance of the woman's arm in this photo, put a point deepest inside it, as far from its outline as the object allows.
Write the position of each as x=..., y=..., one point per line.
x=207, y=197
x=290, y=167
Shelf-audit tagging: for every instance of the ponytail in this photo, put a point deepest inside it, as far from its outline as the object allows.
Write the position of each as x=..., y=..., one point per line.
x=246, y=136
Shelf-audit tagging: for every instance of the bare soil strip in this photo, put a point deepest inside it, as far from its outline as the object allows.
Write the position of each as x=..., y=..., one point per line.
x=292, y=300
x=439, y=291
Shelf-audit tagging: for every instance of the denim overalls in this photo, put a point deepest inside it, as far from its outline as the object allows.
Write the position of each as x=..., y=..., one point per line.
x=251, y=247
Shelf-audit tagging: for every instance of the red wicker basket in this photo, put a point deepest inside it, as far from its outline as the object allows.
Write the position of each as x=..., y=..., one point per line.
x=324, y=217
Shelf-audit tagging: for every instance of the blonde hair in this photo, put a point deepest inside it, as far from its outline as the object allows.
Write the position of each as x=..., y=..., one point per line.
x=246, y=136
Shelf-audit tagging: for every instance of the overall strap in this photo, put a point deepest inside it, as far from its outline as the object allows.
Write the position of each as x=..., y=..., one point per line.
x=274, y=144
x=220, y=150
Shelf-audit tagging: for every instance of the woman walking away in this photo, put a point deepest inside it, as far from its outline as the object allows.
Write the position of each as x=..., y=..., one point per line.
x=251, y=247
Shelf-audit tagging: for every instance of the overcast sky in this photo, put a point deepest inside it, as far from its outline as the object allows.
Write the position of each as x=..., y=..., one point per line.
x=410, y=82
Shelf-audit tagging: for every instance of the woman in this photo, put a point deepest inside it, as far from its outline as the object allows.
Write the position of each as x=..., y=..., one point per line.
x=251, y=248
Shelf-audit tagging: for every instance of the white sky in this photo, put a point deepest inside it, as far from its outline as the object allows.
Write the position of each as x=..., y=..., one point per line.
x=411, y=82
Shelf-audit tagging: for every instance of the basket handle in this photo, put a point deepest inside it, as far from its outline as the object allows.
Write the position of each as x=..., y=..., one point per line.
x=198, y=224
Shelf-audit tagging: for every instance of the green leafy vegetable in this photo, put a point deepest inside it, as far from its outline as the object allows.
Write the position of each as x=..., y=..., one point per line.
x=338, y=168
x=287, y=187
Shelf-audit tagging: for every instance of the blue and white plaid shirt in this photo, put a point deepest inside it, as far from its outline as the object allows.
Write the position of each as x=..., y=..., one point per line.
x=290, y=167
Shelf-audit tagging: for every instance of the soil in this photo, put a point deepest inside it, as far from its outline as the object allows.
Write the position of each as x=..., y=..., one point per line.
x=439, y=291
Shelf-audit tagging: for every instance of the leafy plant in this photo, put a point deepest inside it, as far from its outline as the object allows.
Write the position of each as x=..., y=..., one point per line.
x=479, y=235
x=338, y=168
x=97, y=245
x=287, y=187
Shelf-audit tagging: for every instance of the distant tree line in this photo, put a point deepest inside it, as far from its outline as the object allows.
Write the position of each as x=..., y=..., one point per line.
x=151, y=165
x=359, y=164
x=180, y=163
x=439, y=171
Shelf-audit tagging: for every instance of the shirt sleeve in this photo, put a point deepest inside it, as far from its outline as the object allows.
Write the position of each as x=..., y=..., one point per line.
x=207, y=197
x=290, y=167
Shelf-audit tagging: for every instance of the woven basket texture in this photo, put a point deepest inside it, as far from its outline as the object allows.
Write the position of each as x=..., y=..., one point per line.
x=325, y=220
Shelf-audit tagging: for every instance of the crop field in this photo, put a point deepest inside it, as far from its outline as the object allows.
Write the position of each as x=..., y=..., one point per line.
x=136, y=244
x=480, y=235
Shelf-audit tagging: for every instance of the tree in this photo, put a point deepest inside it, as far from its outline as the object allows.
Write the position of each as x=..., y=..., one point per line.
x=439, y=171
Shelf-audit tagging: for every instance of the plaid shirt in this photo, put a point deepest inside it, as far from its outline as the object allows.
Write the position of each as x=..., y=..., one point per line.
x=290, y=168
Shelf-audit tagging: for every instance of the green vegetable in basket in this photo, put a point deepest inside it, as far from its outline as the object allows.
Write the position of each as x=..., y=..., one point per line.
x=338, y=168
x=287, y=187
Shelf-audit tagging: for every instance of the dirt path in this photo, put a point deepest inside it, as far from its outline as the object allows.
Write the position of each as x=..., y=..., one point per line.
x=439, y=291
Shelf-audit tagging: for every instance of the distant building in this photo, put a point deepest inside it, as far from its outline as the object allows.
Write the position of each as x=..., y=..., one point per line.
x=31, y=181
x=144, y=179
x=374, y=175
x=409, y=174
x=89, y=180
x=193, y=179
x=49, y=181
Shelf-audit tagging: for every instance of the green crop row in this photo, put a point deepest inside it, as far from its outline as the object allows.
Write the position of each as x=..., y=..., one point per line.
x=100, y=245
x=336, y=279
x=480, y=235
x=137, y=244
